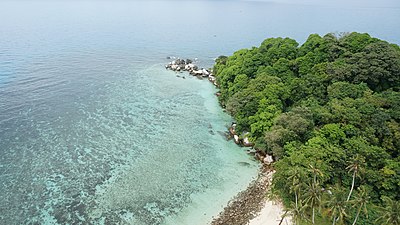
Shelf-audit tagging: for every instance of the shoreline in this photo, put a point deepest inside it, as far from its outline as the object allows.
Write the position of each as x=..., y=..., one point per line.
x=251, y=206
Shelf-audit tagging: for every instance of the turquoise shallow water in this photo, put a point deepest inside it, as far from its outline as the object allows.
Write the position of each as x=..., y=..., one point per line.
x=94, y=130
x=138, y=151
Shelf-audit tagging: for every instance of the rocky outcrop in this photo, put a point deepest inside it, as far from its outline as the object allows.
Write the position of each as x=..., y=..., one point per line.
x=243, y=139
x=180, y=65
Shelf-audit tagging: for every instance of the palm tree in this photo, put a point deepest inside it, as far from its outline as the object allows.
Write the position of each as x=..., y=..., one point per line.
x=361, y=202
x=355, y=166
x=315, y=172
x=390, y=214
x=312, y=197
x=296, y=175
x=297, y=212
x=336, y=205
x=313, y=192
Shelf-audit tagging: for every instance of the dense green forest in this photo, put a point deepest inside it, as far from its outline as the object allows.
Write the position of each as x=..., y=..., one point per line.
x=329, y=113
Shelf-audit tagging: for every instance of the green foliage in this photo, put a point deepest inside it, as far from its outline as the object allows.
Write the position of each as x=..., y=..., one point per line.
x=272, y=49
x=342, y=90
x=390, y=213
x=378, y=66
x=356, y=42
x=322, y=104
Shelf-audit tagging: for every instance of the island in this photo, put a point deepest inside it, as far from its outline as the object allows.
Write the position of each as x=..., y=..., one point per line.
x=328, y=112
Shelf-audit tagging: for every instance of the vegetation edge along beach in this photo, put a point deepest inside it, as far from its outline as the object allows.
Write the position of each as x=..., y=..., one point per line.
x=328, y=111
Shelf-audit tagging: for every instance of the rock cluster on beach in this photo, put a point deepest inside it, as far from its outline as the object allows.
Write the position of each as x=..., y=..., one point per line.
x=180, y=65
x=239, y=139
x=243, y=140
x=247, y=203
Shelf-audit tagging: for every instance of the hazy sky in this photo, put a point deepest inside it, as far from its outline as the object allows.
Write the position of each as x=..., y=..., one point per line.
x=361, y=3
x=384, y=3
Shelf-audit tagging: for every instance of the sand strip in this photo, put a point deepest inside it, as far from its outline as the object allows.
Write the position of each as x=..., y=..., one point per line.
x=270, y=214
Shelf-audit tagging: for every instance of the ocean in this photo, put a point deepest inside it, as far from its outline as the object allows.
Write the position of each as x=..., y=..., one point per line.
x=94, y=130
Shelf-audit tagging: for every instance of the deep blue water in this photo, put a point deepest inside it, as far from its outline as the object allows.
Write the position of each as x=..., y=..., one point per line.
x=94, y=130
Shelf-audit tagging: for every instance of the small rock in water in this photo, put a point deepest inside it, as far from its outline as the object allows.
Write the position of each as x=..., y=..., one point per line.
x=236, y=138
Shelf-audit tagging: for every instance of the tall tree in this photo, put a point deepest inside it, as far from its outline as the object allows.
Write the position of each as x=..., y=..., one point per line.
x=355, y=166
x=297, y=212
x=296, y=176
x=361, y=202
x=315, y=172
x=336, y=205
x=312, y=197
x=313, y=193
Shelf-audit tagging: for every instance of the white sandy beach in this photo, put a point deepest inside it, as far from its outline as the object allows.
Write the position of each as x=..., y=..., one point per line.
x=270, y=214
